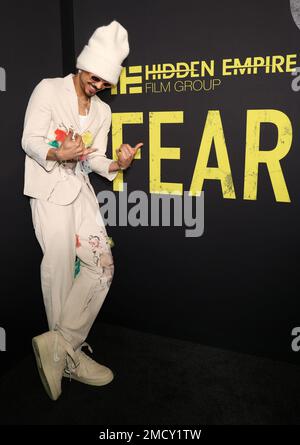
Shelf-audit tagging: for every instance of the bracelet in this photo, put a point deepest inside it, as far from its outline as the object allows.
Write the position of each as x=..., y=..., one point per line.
x=60, y=161
x=57, y=158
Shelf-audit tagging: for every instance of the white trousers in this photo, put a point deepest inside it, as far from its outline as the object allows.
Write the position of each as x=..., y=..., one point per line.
x=64, y=232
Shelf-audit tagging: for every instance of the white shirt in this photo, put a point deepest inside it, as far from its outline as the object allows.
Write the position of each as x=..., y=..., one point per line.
x=82, y=121
x=83, y=165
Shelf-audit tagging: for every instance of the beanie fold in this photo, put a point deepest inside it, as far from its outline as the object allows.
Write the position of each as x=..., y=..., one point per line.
x=98, y=64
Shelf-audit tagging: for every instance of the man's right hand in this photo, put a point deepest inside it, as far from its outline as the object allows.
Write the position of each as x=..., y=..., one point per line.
x=73, y=149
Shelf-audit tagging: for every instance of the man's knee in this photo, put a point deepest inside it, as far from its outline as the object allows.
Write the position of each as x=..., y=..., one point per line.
x=106, y=268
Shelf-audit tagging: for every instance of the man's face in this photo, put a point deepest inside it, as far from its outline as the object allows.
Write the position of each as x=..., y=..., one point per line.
x=91, y=83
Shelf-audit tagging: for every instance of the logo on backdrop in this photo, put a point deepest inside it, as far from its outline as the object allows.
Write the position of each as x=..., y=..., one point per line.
x=2, y=79
x=202, y=75
x=198, y=75
x=2, y=339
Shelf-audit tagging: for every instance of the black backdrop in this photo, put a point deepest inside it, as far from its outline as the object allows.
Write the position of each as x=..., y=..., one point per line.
x=31, y=49
x=235, y=287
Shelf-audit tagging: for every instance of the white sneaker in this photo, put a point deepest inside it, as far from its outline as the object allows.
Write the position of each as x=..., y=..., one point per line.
x=85, y=370
x=51, y=351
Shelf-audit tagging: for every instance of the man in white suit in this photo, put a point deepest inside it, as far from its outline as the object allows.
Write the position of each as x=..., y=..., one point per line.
x=65, y=136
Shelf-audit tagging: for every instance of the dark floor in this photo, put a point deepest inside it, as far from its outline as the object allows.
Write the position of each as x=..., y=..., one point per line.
x=158, y=381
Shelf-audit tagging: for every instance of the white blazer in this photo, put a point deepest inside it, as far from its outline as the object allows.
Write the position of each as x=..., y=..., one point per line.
x=54, y=102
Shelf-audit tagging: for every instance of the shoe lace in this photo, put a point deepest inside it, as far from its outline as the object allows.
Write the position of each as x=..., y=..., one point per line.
x=69, y=352
x=70, y=367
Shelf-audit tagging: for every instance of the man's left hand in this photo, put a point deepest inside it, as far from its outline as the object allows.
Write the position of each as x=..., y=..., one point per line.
x=126, y=154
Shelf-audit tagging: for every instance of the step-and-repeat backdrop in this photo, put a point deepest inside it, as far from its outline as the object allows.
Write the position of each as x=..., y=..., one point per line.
x=213, y=91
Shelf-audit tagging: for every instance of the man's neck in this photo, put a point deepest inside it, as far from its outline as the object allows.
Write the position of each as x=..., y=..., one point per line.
x=80, y=93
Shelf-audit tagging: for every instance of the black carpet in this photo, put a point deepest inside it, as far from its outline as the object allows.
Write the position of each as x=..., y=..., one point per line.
x=158, y=381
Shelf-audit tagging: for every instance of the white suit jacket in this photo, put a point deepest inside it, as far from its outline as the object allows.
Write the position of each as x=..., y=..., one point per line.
x=52, y=102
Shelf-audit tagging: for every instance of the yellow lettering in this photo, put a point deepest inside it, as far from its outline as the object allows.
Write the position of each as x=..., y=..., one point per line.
x=157, y=152
x=255, y=156
x=213, y=132
x=118, y=121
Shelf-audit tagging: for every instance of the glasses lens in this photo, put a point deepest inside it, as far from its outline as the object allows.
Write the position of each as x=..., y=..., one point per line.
x=98, y=79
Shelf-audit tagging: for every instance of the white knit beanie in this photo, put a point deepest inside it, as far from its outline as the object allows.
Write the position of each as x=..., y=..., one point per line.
x=105, y=52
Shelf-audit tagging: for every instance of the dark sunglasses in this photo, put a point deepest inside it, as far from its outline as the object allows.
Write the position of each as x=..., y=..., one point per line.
x=98, y=79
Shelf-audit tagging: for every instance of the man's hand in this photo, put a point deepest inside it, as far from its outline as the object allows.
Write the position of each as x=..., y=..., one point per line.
x=72, y=149
x=126, y=154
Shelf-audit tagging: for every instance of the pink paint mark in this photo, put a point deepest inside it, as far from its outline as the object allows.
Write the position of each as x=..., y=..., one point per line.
x=77, y=241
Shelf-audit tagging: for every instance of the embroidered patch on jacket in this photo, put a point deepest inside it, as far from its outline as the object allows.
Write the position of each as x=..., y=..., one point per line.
x=87, y=137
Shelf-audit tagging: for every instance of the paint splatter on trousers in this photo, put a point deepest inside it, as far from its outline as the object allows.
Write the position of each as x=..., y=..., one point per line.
x=67, y=232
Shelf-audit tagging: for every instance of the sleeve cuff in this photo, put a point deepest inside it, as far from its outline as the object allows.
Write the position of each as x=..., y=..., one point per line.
x=40, y=156
x=111, y=175
x=100, y=165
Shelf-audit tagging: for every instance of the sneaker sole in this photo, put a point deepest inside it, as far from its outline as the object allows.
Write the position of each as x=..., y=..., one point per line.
x=41, y=352
x=90, y=382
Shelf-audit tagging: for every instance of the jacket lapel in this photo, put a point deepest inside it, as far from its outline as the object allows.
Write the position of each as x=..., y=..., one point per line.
x=72, y=101
x=93, y=115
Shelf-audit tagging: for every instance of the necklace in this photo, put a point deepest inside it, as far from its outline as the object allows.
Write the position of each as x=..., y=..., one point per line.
x=86, y=104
